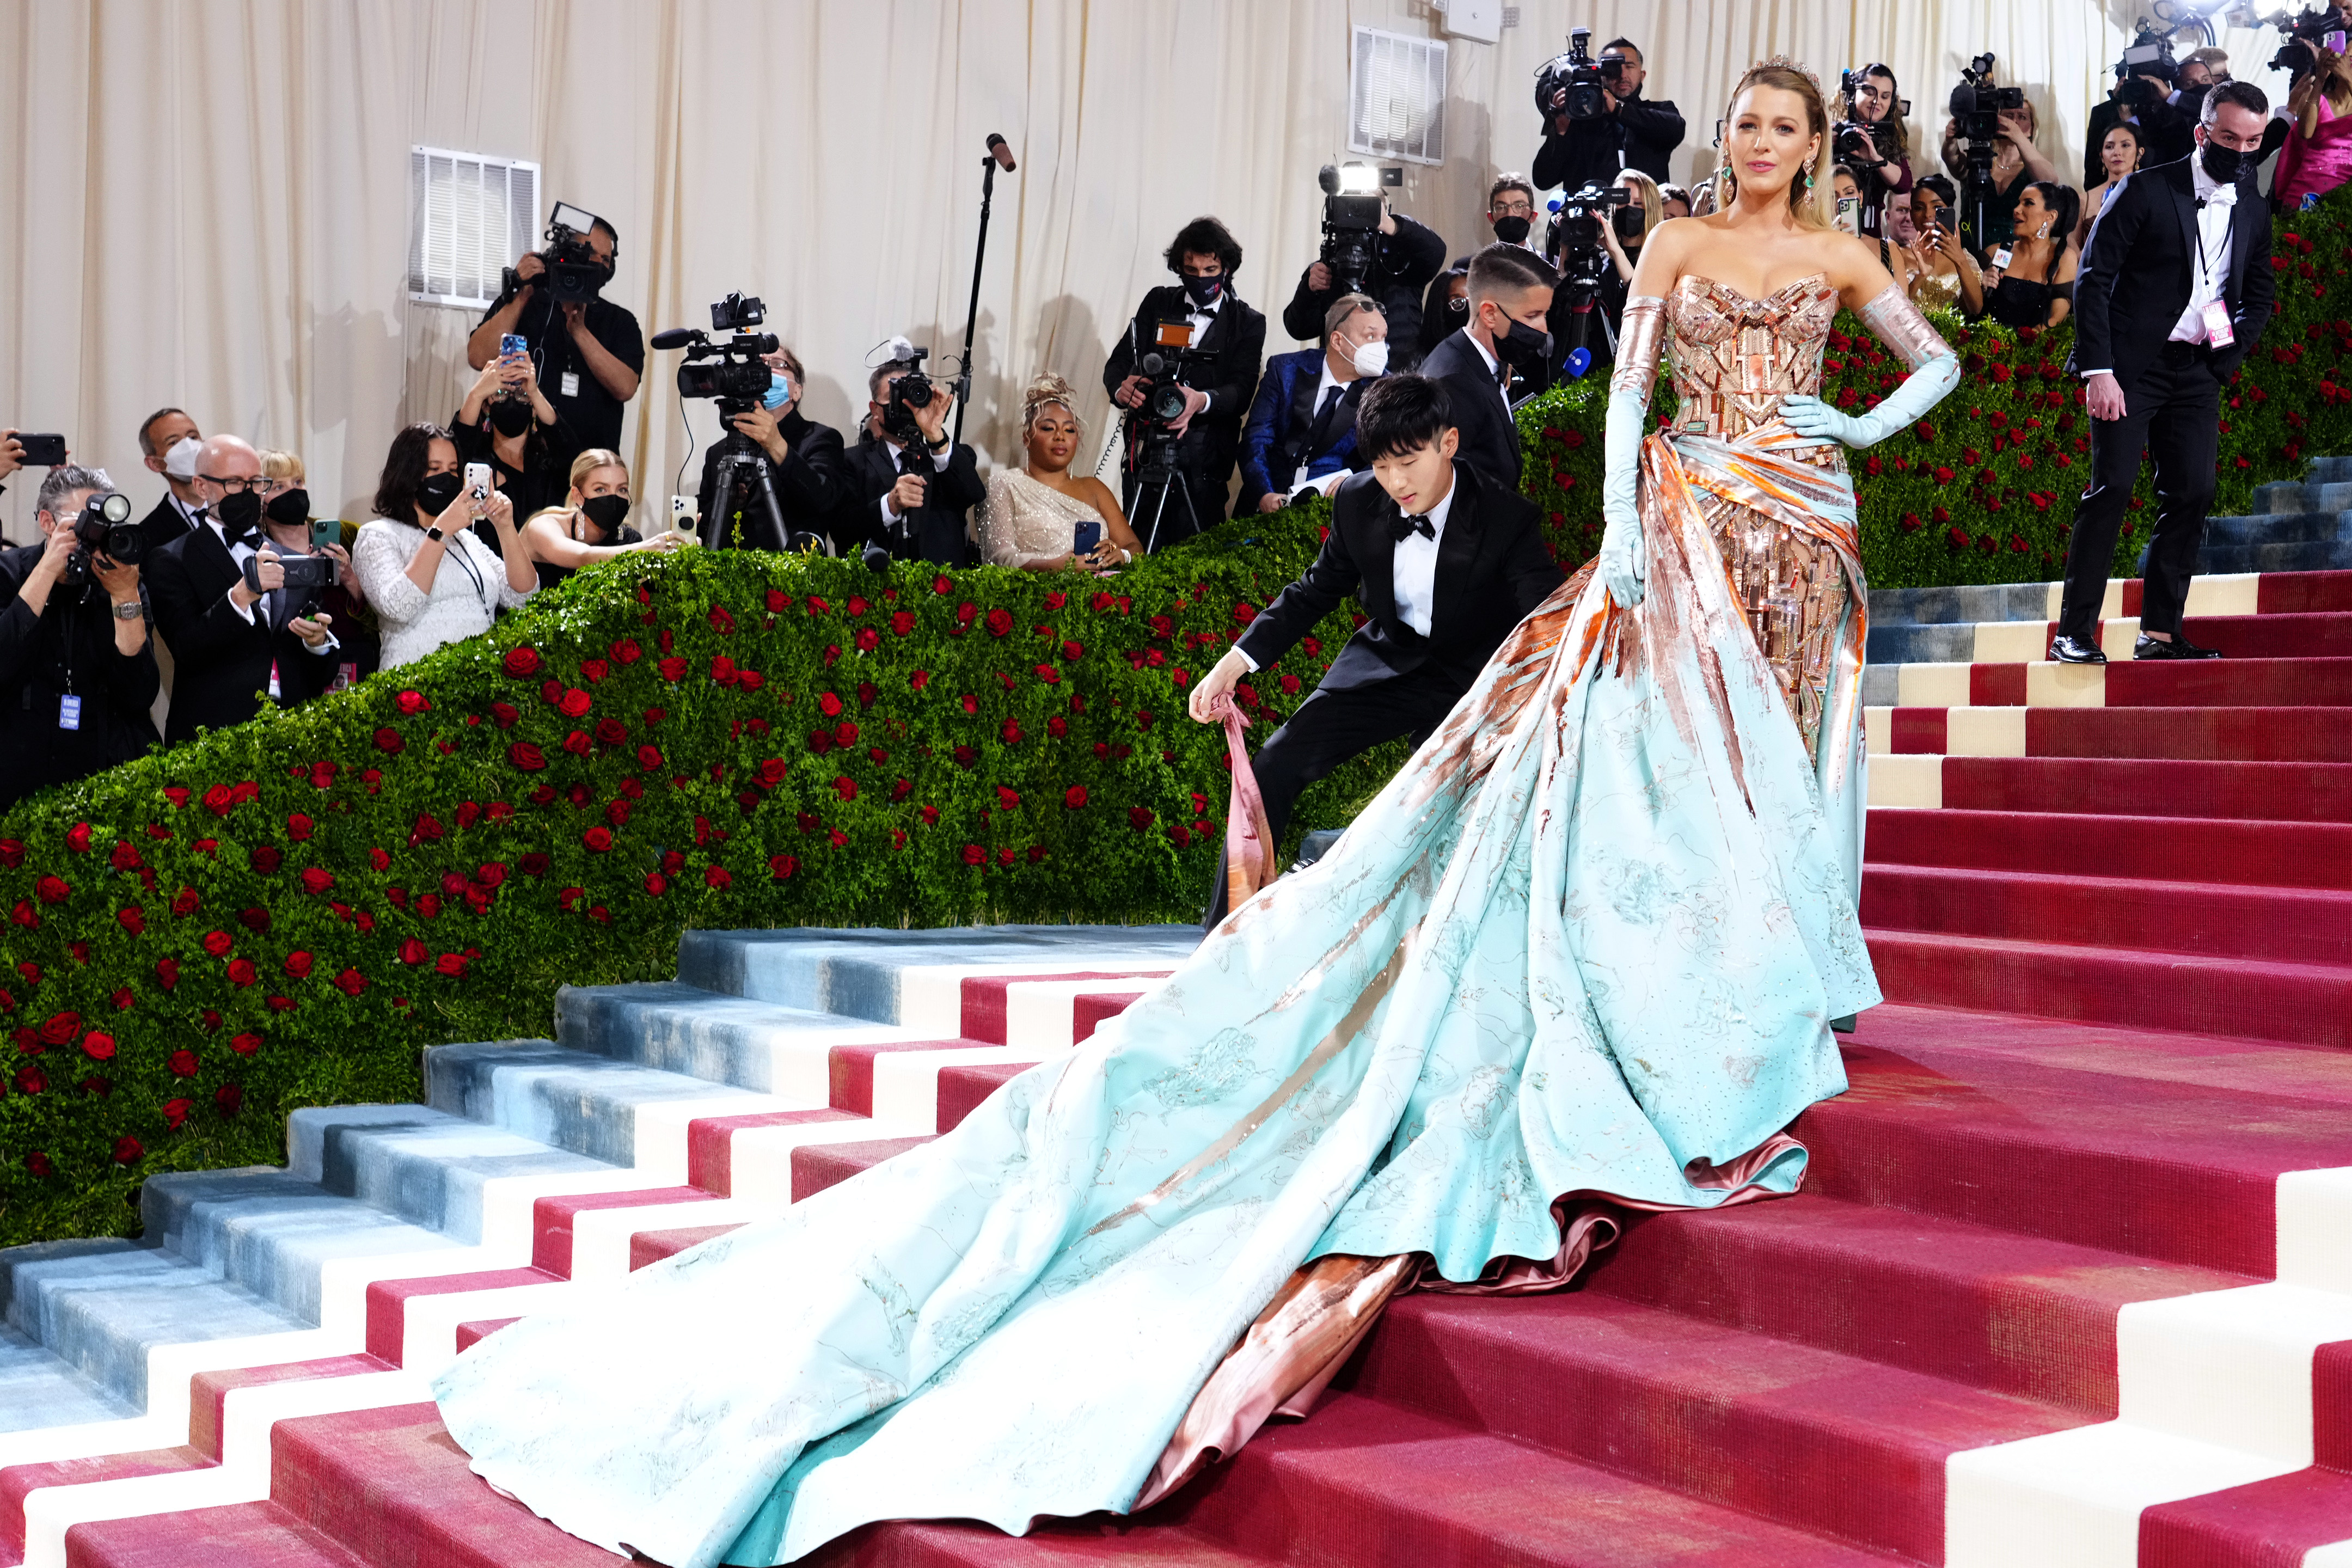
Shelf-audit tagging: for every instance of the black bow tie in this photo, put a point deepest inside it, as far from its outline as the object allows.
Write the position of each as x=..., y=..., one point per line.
x=1402, y=525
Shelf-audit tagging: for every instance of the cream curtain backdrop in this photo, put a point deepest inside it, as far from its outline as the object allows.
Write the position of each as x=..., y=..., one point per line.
x=210, y=197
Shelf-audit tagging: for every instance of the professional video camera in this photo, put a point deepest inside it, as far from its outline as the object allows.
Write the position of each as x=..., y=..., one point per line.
x=1864, y=145
x=1575, y=235
x=1151, y=428
x=575, y=276
x=1353, y=210
x=911, y=391
x=1977, y=108
x=2148, y=47
x=1580, y=76
x=103, y=528
x=730, y=371
x=2310, y=26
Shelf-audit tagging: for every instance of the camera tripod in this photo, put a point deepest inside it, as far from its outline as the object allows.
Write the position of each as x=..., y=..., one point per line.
x=741, y=463
x=1156, y=468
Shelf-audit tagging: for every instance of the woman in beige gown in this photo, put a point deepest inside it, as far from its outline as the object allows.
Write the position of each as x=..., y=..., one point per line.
x=1033, y=516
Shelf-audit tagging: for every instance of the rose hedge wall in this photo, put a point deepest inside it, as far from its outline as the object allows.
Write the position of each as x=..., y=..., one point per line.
x=284, y=913
x=1982, y=490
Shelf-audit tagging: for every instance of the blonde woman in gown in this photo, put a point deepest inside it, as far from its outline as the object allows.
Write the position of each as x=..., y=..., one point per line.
x=1032, y=516
x=1580, y=955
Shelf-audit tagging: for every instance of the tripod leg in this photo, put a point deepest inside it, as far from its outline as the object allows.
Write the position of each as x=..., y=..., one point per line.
x=764, y=495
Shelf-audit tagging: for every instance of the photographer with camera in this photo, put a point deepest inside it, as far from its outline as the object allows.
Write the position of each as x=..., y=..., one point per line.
x=508, y=422
x=431, y=578
x=1586, y=246
x=226, y=607
x=291, y=530
x=2142, y=97
x=1872, y=142
x=1302, y=425
x=1367, y=249
x=588, y=352
x=804, y=460
x=906, y=485
x=2174, y=290
x=75, y=664
x=1596, y=121
x=1988, y=147
x=1184, y=370
x=1510, y=295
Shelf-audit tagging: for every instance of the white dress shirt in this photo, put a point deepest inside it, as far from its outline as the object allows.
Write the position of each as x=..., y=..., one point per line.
x=1413, y=570
x=2209, y=272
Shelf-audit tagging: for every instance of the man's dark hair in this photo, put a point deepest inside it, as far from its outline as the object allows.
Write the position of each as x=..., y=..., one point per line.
x=2244, y=94
x=1399, y=415
x=1620, y=44
x=403, y=470
x=610, y=233
x=1205, y=237
x=1509, y=183
x=1507, y=269
x=147, y=427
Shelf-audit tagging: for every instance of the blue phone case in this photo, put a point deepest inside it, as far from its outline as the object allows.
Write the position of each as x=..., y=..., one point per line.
x=1087, y=536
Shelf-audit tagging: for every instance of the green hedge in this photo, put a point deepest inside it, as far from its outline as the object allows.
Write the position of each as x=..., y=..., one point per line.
x=284, y=913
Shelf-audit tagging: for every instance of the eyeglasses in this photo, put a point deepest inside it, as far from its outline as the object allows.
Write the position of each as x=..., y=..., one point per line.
x=231, y=486
x=1516, y=209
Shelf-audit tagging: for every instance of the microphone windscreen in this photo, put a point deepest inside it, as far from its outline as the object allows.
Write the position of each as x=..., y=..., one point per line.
x=672, y=337
x=1001, y=152
x=1579, y=362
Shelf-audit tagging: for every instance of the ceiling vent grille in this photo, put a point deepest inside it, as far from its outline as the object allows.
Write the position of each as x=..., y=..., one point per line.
x=468, y=217
x=1396, y=96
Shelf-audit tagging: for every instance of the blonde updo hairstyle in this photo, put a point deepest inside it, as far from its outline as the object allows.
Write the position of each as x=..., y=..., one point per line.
x=1045, y=392
x=1814, y=204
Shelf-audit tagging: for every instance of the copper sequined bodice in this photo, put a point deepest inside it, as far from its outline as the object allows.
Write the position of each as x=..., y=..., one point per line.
x=1733, y=359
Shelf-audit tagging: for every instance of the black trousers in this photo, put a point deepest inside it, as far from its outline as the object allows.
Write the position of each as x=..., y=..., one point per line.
x=1329, y=728
x=2175, y=409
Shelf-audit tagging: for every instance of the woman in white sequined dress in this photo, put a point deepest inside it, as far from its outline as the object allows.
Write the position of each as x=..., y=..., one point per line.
x=1043, y=518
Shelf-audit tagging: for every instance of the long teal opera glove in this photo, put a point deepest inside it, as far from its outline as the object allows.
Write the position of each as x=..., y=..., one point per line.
x=1638, y=344
x=1935, y=370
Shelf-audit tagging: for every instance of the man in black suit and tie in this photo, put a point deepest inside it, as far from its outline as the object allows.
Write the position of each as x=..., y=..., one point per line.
x=168, y=442
x=229, y=642
x=1443, y=561
x=1217, y=390
x=2174, y=289
x=1510, y=295
x=907, y=487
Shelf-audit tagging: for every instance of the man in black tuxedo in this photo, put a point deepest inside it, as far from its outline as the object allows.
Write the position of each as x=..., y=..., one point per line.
x=162, y=435
x=2174, y=289
x=1217, y=390
x=906, y=487
x=1443, y=561
x=1510, y=296
x=230, y=643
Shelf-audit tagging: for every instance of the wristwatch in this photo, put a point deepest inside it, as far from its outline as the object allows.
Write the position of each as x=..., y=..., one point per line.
x=434, y=533
x=130, y=610
x=934, y=446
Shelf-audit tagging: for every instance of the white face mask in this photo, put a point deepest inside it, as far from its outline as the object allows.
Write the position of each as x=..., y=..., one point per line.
x=1372, y=358
x=180, y=462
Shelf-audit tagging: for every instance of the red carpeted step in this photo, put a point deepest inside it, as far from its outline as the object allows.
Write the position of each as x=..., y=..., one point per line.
x=1852, y=1447
x=2323, y=634
x=819, y=1166
x=653, y=1245
x=208, y=1391
x=18, y=1480
x=986, y=998
x=851, y=1069
x=2293, y=592
x=2266, y=1523
x=2311, y=925
x=551, y=1218
x=963, y=1089
x=1090, y=1012
x=1367, y=1482
x=2331, y=1405
x=1102, y=1542
x=2166, y=1147
x=2170, y=848
x=1981, y=1306
x=2208, y=734
x=241, y=1535
x=387, y=1300
x=2271, y=792
x=2303, y=1004
x=1918, y=732
x=710, y=1142
x=2229, y=683
x=481, y=1329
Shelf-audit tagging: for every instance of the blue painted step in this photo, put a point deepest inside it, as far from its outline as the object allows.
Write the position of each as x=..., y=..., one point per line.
x=855, y=973
x=575, y=1101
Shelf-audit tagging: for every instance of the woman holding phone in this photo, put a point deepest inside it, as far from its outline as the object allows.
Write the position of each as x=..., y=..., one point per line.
x=508, y=422
x=592, y=524
x=291, y=530
x=1942, y=272
x=1042, y=517
x=432, y=581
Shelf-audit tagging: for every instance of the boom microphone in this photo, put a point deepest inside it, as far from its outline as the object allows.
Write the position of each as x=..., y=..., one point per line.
x=674, y=337
x=1001, y=152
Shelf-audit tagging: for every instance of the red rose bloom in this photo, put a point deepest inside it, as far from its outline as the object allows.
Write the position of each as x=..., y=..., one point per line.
x=846, y=787
x=175, y=1112
x=98, y=1046
x=577, y=743
x=125, y=857
x=31, y=1080
x=241, y=971
x=526, y=756
x=220, y=800
x=573, y=704
x=218, y=943
x=598, y=839
x=129, y=1151
x=298, y=964
x=1007, y=799
x=1138, y=816
x=132, y=919
x=53, y=890
x=611, y=731
x=351, y=983
x=930, y=815
x=716, y=876
x=523, y=662
x=1074, y=798
x=919, y=680
x=182, y=1064
x=999, y=622
x=673, y=669
x=1004, y=856
x=411, y=702
x=227, y=1098
x=902, y=623
x=452, y=964
x=973, y=855
x=780, y=867
x=167, y=973
x=412, y=951
x=316, y=881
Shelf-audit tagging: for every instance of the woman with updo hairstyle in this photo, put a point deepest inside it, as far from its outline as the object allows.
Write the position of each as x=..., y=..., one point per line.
x=1041, y=517
x=588, y=527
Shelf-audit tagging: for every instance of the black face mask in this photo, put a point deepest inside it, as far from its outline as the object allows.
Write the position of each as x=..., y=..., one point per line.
x=606, y=512
x=436, y=492
x=1204, y=291
x=510, y=416
x=238, y=515
x=1523, y=347
x=289, y=508
x=2224, y=163
x=1513, y=230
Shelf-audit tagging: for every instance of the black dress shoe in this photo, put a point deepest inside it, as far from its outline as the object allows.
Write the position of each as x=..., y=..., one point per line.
x=2064, y=649
x=2177, y=647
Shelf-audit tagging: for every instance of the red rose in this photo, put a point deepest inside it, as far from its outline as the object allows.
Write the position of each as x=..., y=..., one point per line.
x=573, y=704
x=98, y=1046
x=598, y=839
x=649, y=757
x=577, y=743
x=388, y=740
x=452, y=964
x=721, y=621
x=846, y=787
x=723, y=671
x=902, y=623
x=505, y=713
x=939, y=585
x=61, y=1028
x=132, y=919
x=411, y=702
x=298, y=964
x=1074, y=798
x=254, y=919
x=32, y=1080
x=299, y=827
x=1048, y=674
x=781, y=867
x=351, y=983
x=845, y=733
x=492, y=875
x=1138, y=816
x=412, y=951
x=534, y=864
x=716, y=876
x=129, y=1151
x=965, y=757
x=12, y=851
x=218, y=943
x=657, y=884
x=122, y=999
x=241, y=971
x=1180, y=836
x=1004, y=856
x=167, y=973
x=182, y=1064
x=53, y=890
x=523, y=662
x=611, y=731
x=919, y=680
x=175, y=1112
x=1011, y=733
x=126, y=856
x=316, y=881
x=973, y=855
x=220, y=800
x=673, y=669
x=266, y=859
x=526, y=756
x=999, y=622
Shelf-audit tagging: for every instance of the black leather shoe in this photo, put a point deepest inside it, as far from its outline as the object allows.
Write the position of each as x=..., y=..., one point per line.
x=2177, y=647
x=2064, y=649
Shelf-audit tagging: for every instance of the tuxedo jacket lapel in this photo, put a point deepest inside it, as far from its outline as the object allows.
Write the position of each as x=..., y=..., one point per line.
x=2251, y=210
x=2183, y=189
x=1457, y=553
x=208, y=554
x=1376, y=559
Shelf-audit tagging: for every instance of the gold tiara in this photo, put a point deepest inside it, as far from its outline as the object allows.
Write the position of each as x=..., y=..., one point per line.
x=1783, y=62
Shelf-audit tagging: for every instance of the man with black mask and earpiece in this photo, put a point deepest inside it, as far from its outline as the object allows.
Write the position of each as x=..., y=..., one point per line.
x=227, y=637
x=1511, y=293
